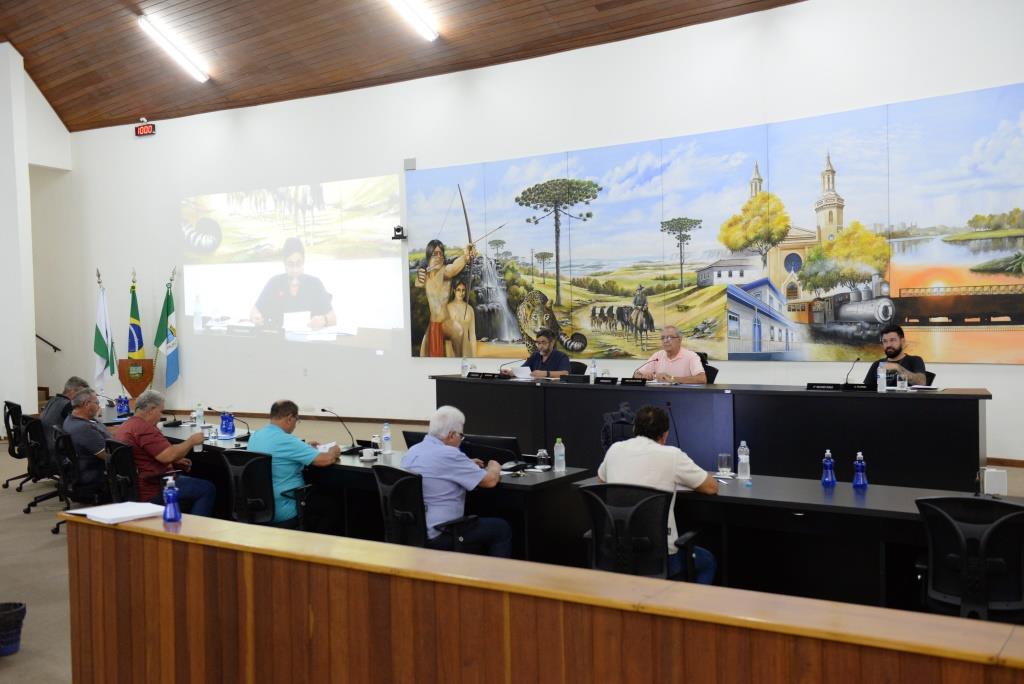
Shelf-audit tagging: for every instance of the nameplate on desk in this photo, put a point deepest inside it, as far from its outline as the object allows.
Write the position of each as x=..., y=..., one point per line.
x=636, y=382
x=473, y=374
x=577, y=379
x=856, y=387
x=490, y=376
x=605, y=381
x=827, y=386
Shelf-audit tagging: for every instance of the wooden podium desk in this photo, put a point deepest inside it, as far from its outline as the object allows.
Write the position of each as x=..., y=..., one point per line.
x=915, y=439
x=216, y=601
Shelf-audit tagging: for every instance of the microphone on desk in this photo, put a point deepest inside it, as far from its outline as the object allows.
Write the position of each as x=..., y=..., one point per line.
x=675, y=428
x=243, y=438
x=507, y=363
x=514, y=455
x=846, y=380
x=637, y=370
x=110, y=402
x=342, y=421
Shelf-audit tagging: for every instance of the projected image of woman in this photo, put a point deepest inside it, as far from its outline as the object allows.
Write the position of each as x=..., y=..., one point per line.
x=293, y=291
x=460, y=327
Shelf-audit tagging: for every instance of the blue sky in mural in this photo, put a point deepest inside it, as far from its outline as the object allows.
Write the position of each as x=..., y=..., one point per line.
x=950, y=157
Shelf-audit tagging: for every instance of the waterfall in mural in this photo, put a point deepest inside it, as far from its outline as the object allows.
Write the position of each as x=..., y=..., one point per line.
x=494, y=320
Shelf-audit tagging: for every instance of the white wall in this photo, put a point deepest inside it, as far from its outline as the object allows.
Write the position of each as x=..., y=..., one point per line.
x=119, y=207
x=49, y=143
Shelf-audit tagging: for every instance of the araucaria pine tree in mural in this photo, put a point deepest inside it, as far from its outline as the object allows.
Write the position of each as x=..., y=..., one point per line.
x=680, y=228
x=556, y=197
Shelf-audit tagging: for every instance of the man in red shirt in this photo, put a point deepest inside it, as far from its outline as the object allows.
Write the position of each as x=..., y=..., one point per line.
x=154, y=455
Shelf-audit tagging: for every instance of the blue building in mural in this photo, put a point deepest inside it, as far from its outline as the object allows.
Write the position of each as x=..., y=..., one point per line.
x=759, y=329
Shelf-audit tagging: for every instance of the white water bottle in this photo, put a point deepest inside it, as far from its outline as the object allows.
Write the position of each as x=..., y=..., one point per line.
x=197, y=428
x=465, y=367
x=385, y=439
x=880, y=376
x=592, y=370
x=559, y=455
x=743, y=461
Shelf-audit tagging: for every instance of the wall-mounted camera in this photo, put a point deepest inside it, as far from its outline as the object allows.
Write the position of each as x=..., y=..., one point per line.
x=399, y=233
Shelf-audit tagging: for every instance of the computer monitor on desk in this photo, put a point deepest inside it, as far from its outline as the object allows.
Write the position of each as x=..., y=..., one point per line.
x=484, y=447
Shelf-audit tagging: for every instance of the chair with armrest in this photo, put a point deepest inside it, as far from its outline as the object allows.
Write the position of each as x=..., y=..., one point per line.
x=629, y=532
x=122, y=477
x=252, y=490
x=710, y=372
x=42, y=465
x=577, y=368
x=13, y=426
x=405, y=516
x=73, y=489
x=929, y=378
x=975, y=563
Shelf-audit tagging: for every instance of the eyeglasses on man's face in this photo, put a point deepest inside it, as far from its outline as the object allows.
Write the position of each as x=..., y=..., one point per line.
x=666, y=338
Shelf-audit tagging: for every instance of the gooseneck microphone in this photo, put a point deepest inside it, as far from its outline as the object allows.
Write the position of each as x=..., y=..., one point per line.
x=342, y=421
x=846, y=380
x=507, y=363
x=675, y=427
x=637, y=369
x=243, y=438
x=110, y=402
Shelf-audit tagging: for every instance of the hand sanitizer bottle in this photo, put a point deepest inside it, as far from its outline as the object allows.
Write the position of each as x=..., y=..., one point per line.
x=172, y=510
x=860, y=475
x=828, y=473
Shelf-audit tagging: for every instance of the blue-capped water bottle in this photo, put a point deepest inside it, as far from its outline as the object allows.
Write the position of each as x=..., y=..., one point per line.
x=385, y=439
x=227, y=424
x=860, y=475
x=828, y=472
x=172, y=510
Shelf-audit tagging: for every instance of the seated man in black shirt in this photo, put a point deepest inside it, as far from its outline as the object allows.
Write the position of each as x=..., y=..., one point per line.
x=88, y=436
x=897, y=362
x=546, y=362
x=59, y=408
x=293, y=291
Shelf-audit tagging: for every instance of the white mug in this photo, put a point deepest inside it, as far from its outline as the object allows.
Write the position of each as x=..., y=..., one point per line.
x=369, y=453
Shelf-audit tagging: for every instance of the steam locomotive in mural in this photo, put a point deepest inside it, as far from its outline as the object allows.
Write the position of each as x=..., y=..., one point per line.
x=863, y=312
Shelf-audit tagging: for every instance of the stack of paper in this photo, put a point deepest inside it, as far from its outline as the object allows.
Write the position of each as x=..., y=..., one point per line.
x=111, y=514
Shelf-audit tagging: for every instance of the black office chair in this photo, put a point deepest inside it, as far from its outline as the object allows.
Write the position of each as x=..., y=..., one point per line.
x=617, y=426
x=711, y=373
x=975, y=551
x=13, y=426
x=122, y=477
x=629, y=532
x=929, y=378
x=577, y=368
x=70, y=485
x=252, y=490
x=41, y=463
x=405, y=518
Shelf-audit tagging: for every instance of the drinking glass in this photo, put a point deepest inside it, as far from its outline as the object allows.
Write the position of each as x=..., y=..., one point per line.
x=724, y=464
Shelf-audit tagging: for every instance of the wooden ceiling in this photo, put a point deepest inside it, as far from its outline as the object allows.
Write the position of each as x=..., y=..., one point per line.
x=97, y=68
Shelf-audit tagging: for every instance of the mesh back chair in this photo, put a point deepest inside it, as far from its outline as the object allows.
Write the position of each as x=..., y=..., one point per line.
x=617, y=426
x=252, y=490
x=41, y=463
x=577, y=368
x=122, y=477
x=975, y=551
x=405, y=517
x=70, y=484
x=629, y=532
x=709, y=371
x=13, y=427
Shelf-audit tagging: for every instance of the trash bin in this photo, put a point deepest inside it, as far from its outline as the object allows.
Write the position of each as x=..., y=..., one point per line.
x=11, y=617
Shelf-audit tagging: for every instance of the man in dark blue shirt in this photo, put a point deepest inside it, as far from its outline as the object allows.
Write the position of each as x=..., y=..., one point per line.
x=547, y=362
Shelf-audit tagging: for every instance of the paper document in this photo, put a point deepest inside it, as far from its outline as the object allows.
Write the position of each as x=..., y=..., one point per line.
x=323, y=448
x=111, y=514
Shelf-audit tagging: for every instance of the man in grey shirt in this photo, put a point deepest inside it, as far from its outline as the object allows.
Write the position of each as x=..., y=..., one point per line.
x=88, y=436
x=58, y=408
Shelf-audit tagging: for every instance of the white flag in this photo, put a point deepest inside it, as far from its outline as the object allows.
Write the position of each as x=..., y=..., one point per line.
x=103, y=343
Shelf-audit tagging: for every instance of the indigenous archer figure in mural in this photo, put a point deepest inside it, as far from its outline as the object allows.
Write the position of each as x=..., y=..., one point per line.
x=436, y=280
x=460, y=327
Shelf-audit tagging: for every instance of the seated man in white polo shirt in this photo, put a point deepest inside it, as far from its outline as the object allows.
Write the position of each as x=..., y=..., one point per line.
x=672, y=363
x=647, y=461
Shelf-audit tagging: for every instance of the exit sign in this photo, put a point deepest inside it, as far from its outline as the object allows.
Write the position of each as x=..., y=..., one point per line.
x=145, y=129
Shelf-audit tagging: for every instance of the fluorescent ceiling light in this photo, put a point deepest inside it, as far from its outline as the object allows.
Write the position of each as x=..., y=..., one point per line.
x=174, y=46
x=417, y=16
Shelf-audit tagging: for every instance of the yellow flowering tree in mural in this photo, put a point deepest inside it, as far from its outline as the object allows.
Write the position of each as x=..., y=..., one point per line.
x=761, y=224
x=854, y=256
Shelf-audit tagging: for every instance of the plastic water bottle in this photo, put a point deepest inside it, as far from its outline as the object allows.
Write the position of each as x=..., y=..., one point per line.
x=828, y=473
x=880, y=376
x=559, y=455
x=465, y=367
x=385, y=438
x=227, y=424
x=200, y=419
x=172, y=510
x=743, y=461
x=860, y=475
x=592, y=370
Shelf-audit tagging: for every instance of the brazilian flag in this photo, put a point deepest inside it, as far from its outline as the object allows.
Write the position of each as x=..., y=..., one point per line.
x=136, y=347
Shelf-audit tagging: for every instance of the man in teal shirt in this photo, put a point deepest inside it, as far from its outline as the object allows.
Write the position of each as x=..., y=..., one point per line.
x=288, y=456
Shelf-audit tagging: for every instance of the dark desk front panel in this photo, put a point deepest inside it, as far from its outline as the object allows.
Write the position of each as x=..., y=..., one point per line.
x=498, y=407
x=906, y=441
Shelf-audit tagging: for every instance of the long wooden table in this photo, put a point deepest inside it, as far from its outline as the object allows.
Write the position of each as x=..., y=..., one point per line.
x=916, y=439
x=210, y=600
